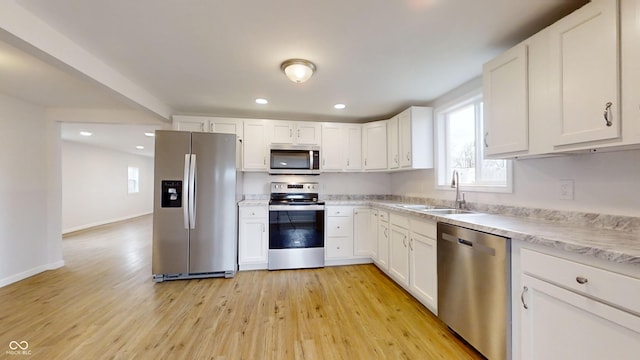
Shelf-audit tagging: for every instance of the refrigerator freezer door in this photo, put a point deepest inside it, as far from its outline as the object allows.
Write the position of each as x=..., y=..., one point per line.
x=213, y=239
x=170, y=238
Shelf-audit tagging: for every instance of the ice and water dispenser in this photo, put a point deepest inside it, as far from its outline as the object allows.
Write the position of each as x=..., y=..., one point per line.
x=171, y=193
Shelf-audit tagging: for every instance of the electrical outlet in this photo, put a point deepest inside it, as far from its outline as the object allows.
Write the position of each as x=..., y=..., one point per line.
x=566, y=189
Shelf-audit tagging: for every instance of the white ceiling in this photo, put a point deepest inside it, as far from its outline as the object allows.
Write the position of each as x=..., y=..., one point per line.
x=120, y=137
x=215, y=57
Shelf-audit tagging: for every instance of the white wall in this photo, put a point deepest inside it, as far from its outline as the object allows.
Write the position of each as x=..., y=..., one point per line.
x=604, y=183
x=94, y=186
x=30, y=240
x=331, y=183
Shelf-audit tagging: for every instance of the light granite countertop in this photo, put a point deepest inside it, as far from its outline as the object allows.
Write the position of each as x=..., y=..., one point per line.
x=578, y=234
x=607, y=244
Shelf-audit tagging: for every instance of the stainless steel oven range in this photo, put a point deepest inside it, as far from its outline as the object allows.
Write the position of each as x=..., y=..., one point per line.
x=296, y=226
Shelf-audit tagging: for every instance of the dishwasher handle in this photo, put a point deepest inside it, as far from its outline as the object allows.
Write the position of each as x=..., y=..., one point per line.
x=465, y=242
x=471, y=245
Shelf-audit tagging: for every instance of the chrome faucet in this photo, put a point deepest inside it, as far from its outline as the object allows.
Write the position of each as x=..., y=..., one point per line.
x=455, y=183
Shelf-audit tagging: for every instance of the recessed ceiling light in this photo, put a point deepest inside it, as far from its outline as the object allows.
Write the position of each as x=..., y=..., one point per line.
x=149, y=134
x=339, y=106
x=85, y=133
x=261, y=101
x=140, y=147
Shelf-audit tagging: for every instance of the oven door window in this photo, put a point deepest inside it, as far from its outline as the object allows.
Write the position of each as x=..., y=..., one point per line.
x=296, y=229
x=290, y=159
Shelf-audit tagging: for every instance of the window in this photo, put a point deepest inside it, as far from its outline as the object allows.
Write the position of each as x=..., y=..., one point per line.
x=133, y=180
x=460, y=148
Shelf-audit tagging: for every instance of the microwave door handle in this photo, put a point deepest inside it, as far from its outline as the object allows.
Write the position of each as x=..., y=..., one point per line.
x=310, y=159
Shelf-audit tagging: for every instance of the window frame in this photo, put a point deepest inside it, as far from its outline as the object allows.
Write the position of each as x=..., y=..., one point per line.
x=136, y=180
x=442, y=176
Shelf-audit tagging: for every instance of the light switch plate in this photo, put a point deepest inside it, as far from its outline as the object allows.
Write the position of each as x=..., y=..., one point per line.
x=566, y=189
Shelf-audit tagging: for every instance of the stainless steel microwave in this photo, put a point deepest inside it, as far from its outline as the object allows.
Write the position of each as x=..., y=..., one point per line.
x=294, y=160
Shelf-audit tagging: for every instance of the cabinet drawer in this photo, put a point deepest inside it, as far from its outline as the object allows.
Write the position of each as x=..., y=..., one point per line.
x=339, y=226
x=400, y=220
x=383, y=215
x=424, y=227
x=616, y=289
x=338, y=211
x=339, y=247
x=254, y=212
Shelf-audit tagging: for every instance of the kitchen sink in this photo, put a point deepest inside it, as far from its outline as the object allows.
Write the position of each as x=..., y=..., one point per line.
x=447, y=211
x=421, y=207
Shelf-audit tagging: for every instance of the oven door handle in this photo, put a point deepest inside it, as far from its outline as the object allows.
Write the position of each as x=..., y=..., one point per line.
x=296, y=207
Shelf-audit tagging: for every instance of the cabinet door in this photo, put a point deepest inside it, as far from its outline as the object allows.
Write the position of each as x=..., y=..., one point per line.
x=505, y=95
x=227, y=126
x=332, y=147
x=584, y=53
x=374, y=145
x=399, y=255
x=373, y=234
x=383, y=245
x=392, y=143
x=423, y=273
x=254, y=149
x=307, y=133
x=560, y=324
x=253, y=243
x=190, y=123
x=354, y=146
x=281, y=132
x=404, y=139
x=361, y=233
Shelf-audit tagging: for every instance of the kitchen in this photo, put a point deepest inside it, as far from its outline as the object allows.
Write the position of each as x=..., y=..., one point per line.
x=603, y=182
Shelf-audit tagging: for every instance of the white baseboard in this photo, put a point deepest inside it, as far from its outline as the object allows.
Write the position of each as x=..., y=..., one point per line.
x=103, y=222
x=350, y=261
x=25, y=274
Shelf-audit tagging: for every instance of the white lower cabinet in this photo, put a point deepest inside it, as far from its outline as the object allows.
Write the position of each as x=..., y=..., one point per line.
x=399, y=250
x=362, y=245
x=382, y=260
x=570, y=310
x=344, y=226
x=253, y=238
x=423, y=263
x=373, y=233
x=407, y=252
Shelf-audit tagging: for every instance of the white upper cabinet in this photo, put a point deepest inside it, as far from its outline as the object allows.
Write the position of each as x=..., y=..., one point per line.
x=209, y=124
x=374, y=145
x=506, y=97
x=410, y=139
x=393, y=157
x=191, y=123
x=291, y=132
x=341, y=147
x=630, y=69
x=415, y=138
x=254, y=149
x=585, y=74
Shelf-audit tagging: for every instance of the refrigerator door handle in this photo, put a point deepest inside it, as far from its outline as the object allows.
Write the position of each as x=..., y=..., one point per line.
x=192, y=192
x=185, y=190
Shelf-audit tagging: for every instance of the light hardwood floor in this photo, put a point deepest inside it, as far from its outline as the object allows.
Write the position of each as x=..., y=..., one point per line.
x=103, y=305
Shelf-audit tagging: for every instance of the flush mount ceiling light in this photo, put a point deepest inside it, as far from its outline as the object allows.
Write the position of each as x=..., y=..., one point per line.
x=298, y=70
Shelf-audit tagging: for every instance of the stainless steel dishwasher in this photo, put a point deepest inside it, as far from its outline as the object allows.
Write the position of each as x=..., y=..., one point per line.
x=474, y=287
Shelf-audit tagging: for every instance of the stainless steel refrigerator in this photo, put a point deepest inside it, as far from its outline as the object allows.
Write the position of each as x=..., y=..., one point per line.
x=194, y=211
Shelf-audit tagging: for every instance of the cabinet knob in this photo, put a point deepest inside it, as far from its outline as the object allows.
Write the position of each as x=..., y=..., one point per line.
x=338, y=226
x=253, y=213
x=338, y=247
x=582, y=280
